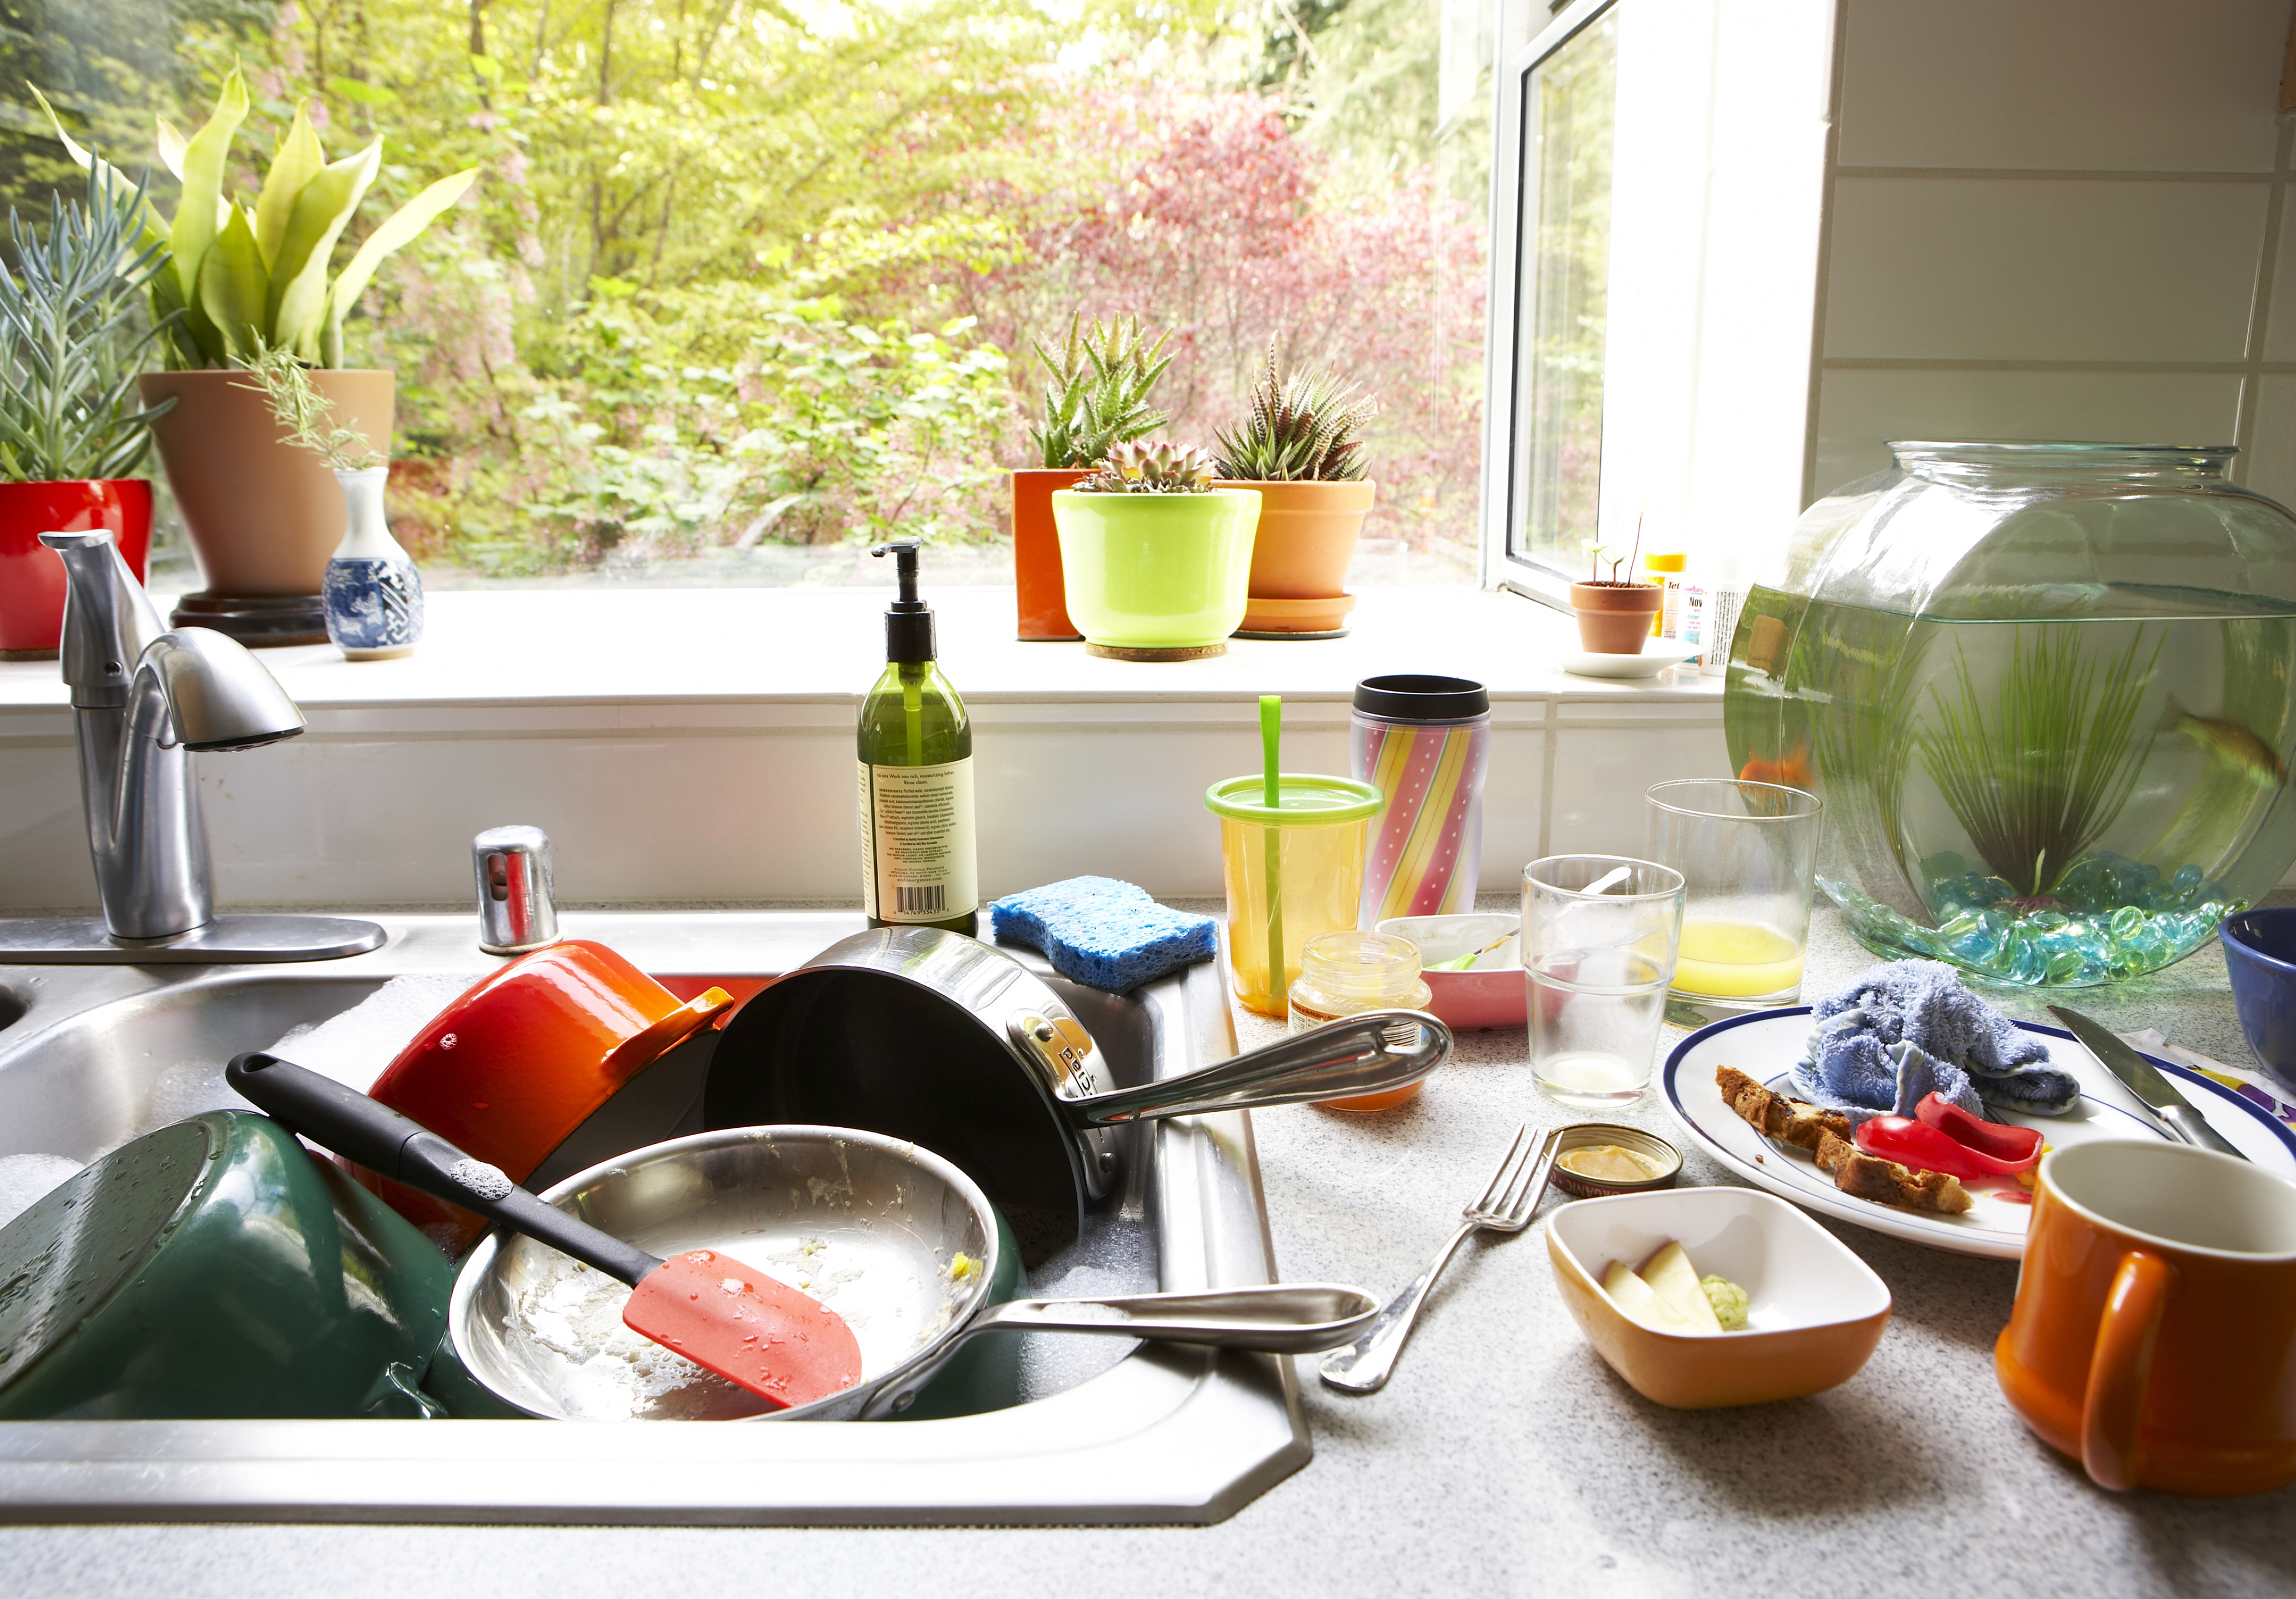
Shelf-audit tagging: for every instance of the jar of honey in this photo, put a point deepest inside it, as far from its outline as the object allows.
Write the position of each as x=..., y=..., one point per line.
x=1348, y=972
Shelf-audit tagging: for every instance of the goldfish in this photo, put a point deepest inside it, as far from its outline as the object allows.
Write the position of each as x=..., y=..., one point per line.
x=2230, y=743
x=1790, y=770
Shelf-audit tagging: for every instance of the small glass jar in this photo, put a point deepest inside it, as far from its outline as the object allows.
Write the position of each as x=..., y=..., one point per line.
x=1348, y=972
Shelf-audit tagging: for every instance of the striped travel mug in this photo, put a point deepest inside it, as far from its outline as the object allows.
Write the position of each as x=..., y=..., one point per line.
x=1424, y=742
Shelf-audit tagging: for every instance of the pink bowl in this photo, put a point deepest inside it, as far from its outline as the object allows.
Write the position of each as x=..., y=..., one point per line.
x=1483, y=996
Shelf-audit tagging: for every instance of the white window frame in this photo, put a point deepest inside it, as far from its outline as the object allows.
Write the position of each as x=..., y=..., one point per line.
x=1720, y=171
x=1511, y=205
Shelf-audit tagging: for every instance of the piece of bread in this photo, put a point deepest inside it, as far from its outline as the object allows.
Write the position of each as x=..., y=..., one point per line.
x=1794, y=1121
x=1866, y=1176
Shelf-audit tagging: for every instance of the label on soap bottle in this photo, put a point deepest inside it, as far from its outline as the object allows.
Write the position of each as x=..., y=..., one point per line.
x=917, y=858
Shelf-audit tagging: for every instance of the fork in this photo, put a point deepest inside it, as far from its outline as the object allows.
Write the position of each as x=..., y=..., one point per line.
x=1506, y=1204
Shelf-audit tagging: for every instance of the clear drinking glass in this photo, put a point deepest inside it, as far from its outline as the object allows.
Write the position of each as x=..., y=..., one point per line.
x=1748, y=854
x=1599, y=933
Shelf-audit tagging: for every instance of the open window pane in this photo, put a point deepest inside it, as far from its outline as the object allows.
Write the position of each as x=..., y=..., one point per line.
x=1560, y=314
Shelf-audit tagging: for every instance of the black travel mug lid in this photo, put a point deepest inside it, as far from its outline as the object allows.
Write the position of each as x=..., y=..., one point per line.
x=1417, y=697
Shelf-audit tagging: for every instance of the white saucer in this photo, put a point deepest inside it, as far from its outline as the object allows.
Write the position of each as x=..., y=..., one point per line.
x=1657, y=655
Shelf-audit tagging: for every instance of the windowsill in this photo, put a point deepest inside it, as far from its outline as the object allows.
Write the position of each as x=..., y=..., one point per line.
x=794, y=646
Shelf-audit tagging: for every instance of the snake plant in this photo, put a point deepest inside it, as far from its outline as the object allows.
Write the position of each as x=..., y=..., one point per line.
x=69, y=355
x=245, y=277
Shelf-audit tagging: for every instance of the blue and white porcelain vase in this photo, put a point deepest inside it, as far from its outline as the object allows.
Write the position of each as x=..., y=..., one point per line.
x=373, y=593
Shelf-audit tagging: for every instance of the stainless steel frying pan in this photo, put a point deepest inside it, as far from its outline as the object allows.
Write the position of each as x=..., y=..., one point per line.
x=950, y=1043
x=895, y=1238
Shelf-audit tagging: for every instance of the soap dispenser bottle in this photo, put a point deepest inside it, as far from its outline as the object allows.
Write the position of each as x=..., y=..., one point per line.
x=915, y=776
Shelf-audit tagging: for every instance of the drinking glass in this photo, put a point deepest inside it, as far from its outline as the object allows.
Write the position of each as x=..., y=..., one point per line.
x=1599, y=933
x=1748, y=852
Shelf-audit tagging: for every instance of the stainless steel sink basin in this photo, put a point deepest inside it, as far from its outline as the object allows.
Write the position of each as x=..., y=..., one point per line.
x=1160, y=1435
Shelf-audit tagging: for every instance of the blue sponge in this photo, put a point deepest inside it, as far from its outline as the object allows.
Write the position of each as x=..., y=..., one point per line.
x=1102, y=932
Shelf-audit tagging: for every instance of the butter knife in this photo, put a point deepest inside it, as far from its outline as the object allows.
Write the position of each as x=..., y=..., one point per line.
x=2174, y=1111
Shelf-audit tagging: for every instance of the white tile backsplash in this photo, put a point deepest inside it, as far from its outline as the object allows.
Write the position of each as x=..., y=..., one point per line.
x=2134, y=85
x=2272, y=452
x=2280, y=315
x=2042, y=269
x=1859, y=408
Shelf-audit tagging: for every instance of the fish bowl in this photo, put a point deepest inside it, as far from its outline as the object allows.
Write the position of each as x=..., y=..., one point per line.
x=2045, y=691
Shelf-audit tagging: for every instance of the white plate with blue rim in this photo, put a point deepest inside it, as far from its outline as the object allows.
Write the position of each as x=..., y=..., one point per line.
x=1765, y=1047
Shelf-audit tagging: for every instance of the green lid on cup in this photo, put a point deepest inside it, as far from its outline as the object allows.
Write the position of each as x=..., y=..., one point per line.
x=1307, y=801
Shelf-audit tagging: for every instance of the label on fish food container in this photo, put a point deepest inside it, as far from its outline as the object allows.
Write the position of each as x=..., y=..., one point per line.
x=916, y=842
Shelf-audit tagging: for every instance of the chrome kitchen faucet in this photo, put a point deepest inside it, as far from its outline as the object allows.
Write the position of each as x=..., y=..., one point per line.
x=144, y=700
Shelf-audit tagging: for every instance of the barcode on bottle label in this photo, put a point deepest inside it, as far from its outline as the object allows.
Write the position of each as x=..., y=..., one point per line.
x=916, y=828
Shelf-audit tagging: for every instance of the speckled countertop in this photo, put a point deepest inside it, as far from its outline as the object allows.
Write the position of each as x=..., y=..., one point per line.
x=1504, y=1458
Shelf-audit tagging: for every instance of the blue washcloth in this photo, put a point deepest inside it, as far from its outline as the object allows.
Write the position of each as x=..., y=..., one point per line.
x=1856, y=1061
x=1104, y=933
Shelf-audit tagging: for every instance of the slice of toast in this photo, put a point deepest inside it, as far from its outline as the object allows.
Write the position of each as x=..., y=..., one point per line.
x=1866, y=1176
x=1794, y=1121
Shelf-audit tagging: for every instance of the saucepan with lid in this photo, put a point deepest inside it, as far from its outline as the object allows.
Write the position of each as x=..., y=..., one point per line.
x=948, y=1042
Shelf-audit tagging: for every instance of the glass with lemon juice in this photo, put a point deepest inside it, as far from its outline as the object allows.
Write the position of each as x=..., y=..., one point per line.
x=1748, y=854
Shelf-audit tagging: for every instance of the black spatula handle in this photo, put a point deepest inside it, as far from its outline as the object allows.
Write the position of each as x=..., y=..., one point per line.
x=392, y=1145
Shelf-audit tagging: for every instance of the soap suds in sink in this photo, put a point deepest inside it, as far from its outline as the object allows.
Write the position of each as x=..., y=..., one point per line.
x=26, y=1179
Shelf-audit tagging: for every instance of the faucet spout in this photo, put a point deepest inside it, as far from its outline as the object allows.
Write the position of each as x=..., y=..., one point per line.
x=144, y=699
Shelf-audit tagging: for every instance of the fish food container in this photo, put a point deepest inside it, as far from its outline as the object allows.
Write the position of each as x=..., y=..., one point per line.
x=1814, y=1311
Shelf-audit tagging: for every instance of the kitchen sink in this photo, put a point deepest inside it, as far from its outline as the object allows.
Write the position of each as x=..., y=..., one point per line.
x=1102, y=1432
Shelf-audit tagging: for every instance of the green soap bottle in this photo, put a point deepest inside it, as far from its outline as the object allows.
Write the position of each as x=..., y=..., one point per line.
x=915, y=772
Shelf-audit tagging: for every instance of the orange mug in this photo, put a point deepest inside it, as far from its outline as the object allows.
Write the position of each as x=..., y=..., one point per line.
x=2154, y=1338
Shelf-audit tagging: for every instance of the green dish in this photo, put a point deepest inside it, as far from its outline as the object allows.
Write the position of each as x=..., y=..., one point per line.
x=214, y=1268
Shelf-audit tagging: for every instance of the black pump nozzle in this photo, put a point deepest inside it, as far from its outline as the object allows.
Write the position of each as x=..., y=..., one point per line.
x=909, y=620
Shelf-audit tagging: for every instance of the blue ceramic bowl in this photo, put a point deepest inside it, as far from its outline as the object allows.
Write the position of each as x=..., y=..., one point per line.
x=2260, y=954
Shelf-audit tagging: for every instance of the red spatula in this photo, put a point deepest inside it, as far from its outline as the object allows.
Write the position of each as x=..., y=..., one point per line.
x=782, y=1345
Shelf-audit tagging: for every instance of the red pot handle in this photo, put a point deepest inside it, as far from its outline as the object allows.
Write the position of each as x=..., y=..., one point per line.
x=2121, y=1368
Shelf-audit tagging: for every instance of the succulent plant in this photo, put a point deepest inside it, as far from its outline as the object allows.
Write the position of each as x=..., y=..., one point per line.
x=1302, y=428
x=68, y=353
x=1099, y=394
x=1152, y=468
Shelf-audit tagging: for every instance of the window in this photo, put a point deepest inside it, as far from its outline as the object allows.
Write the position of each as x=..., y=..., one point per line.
x=745, y=286
x=1548, y=473
x=1657, y=207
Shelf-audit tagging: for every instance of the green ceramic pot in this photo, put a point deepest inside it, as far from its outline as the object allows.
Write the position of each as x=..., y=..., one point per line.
x=214, y=1268
x=1157, y=571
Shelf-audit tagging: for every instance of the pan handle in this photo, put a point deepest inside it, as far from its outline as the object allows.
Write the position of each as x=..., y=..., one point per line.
x=1279, y=1318
x=1370, y=1053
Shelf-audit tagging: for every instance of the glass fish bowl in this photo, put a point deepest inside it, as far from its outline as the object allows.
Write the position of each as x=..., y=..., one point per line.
x=2045, y=690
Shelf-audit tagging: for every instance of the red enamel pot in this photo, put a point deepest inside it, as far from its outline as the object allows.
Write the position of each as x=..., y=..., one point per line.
x=514, y=1069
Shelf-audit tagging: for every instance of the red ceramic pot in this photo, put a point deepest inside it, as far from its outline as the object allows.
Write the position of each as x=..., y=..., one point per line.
x=522, y=1058
x=32, y=575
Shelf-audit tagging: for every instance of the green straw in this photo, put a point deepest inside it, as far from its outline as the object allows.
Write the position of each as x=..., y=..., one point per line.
x=1271, y=736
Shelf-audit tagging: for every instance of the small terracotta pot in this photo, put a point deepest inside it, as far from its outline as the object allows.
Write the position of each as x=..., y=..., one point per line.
x=1614, y=619
x=32, y=575
x=263, y=515
x=1306, y=539
x=1037, y=551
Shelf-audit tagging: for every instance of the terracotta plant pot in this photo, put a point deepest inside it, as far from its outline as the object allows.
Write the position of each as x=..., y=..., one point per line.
x=32, y=575
x=1156, y=576
x=1037, y=551
x=1614, y=619
x=263, y=515
x=1306, y=539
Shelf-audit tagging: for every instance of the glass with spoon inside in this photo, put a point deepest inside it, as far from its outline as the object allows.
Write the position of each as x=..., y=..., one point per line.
x=1599, y=934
